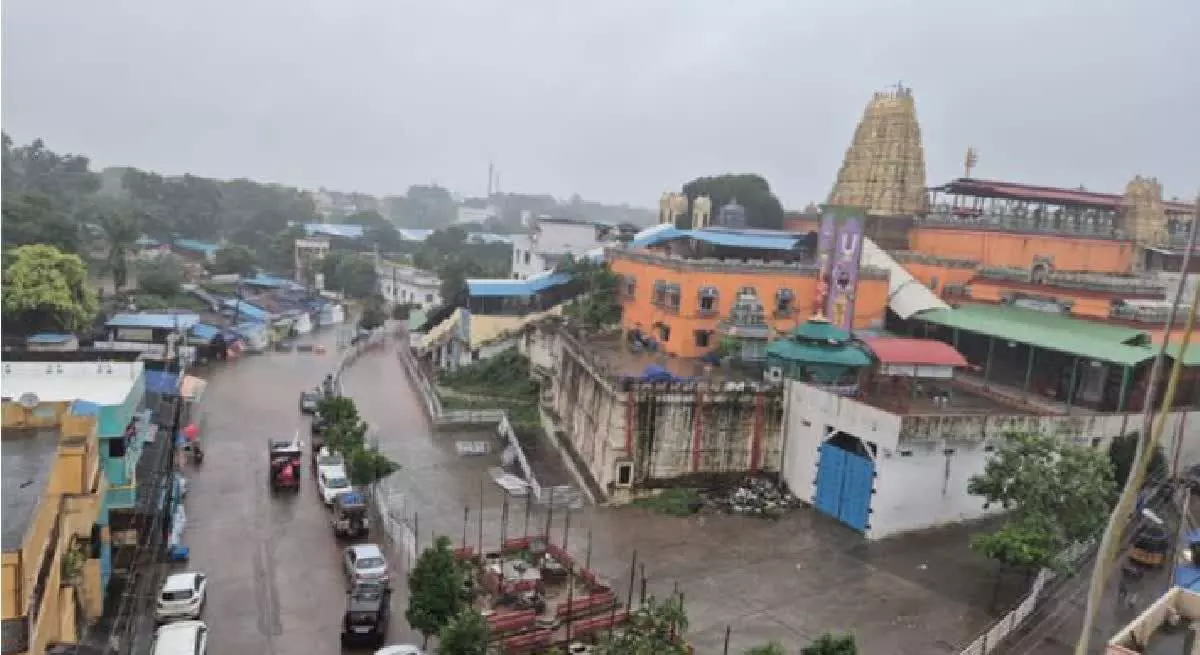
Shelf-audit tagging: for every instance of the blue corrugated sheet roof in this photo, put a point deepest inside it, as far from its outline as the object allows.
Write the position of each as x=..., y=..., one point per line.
x=488, y=237
x=164, y=321
x=50, y=337
x=246, y=310
x=162, y=382
x=757, y=239
x=271, y=281
x=193, y=245
x=205, y=332
x=496, y=288
x=340, y=230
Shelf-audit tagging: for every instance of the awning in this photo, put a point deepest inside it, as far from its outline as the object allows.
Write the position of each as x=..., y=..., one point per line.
x=192, y=387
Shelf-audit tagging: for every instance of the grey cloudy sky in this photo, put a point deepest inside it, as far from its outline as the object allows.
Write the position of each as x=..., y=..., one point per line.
x=614, y=99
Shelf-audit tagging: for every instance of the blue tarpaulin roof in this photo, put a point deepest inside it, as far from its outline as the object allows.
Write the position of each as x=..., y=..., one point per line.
x=163, y=321
x=757, y=239
x=197, y=246
x=271, y=281
x=205, y=332
x=656, y=373
x=341, y=230
x=162, y=382
x=246, y=310
x=482, y=288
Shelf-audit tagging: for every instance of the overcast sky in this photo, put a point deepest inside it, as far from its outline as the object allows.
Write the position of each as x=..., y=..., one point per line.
x=617, y=100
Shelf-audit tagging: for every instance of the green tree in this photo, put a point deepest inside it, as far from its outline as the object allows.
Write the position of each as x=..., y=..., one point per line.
x=121, y=233
x=350, y=273
x=772, y=648
x=435, y=589
x=31, y=218
x=1055, y=492
x=1120, y=454
x=46, y=289
x=465, y=634
x=161, y=276
x=601, y=304
x=763, y=209
x=656, y=628
x=346, y=433
x=373, y=314
x=234, y=259
x=829, y=644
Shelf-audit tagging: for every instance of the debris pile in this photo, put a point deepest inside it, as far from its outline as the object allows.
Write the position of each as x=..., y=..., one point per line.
x=756, y=496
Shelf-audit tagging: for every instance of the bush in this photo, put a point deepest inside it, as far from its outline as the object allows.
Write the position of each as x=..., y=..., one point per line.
x=161, y=276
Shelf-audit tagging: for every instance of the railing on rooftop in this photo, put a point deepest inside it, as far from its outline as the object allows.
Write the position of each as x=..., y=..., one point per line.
x=730, y=265
x=1096, y=227
x=1126, y=285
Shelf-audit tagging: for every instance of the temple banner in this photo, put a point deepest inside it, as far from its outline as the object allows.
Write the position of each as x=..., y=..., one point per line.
x=841, y=255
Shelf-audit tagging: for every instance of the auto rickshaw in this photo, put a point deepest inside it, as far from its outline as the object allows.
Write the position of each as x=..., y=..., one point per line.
x=350, y=515
x=1150, y=546
x=285, y=461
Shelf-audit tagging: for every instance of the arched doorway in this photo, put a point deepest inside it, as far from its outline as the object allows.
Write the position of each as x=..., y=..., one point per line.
x=845, y=480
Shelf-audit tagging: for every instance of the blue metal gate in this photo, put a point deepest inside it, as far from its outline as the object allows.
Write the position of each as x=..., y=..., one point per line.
x=844, y=484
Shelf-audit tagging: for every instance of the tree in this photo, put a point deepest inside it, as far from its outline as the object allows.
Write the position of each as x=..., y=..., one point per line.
x=350, y=273
x=31, y=218
x=345, y=433
x=161, y=276
x=46, y=289
x=763, y=209
x=373, y=315
x=435, y=589
x=1120, y=454
x=829, y=644
x=121, y=233
x=601, y=304
x=234, y=259
x=1057, y=494
x=465, y=634
x=772, y=648
x=654, y=629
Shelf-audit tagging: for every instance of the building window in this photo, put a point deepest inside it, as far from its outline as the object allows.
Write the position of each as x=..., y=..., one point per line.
x=517, y=255
x=526, y=256
x=516, y=276
x=429, y=297
x=673, y=296
x=703, y=338
x=747, y=291
x=628, y=286
x=785, y=302
x=708, y=300
x=116, y=447
x=624, y=474
x=660, y=293
x=664, y=332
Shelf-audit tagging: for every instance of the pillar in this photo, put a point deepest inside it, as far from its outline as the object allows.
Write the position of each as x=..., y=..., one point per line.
x=1029, y=368
x=987, y=367
x=1126, y=374
x=1074, y=379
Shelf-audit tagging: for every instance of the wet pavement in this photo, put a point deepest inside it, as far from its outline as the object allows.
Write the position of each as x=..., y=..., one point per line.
x=276, y=584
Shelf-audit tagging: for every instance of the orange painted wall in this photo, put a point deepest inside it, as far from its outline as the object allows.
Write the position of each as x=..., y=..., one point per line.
x=804, y=225
x=1087, y=306
x=1018, y=250
x=640, y=313
x=926, y=272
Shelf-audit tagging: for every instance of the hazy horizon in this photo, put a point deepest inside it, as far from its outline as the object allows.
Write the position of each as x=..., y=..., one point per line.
x=616, y=101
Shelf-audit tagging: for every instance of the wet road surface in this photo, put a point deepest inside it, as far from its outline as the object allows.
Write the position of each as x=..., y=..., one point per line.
x=274, y=567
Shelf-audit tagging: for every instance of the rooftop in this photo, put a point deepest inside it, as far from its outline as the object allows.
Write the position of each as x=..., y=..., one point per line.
x=340, y=230
x=150, y=320
x=1098, y=341
x=197, y=246
x=103, y=383
x=1054, y=195
x=484, y=288
x=920, y=352
x=613, y=356
x=748, y=238
x=27, y=457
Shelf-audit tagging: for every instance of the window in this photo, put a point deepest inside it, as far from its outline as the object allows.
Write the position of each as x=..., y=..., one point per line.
x=785, y=302
x=664, y=332
x=628, y=286
x=429, y=297
x=116, y=447
x=526, y=256
x=708, y=300
x=703, y=338
x=660, y=293
x=747, y=291
x=624, y=474
x=673, y=296
x=517, y=255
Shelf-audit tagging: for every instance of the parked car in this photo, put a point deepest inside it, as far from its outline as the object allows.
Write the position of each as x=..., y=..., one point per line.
x=332, y=482
x=182, y=638
x=368, y=610
x=365, y=563
x=309, y=401
x=181, y=597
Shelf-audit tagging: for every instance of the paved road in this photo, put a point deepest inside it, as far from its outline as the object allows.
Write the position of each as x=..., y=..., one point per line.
x=275, y=583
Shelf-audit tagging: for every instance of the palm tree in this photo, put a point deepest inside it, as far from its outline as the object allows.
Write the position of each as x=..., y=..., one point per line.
x=121, y=232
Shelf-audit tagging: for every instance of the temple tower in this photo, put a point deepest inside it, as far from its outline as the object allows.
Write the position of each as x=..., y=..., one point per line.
x=1144, y=218
x=884, y=168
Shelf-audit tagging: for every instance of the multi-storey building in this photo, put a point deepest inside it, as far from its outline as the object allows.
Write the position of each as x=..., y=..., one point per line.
x=405, y=285
x=549, y=242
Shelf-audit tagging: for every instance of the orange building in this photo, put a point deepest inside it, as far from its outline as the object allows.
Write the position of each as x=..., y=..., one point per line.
x=687, y=295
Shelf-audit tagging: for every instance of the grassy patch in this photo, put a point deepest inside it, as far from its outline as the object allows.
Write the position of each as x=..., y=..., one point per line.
x=672, y=502
x=520, y=412
x=505, y=375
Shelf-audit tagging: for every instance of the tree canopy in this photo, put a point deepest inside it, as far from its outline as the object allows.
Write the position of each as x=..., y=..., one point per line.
x=1120, y=454
x=830, y=644
x=346, y=433
x=763, y=209
x=601, y=304
x=46, y=289
x=1056, y=494
x=351, y=273
x=655, y=628
x=435, y=589
x=32, y=218
x=465, y=634
x=234, y=258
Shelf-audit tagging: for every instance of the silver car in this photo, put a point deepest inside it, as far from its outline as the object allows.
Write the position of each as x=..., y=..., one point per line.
x=365, y=563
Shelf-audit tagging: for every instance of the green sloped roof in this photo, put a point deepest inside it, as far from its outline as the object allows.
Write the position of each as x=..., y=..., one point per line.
x=820, y=354
x=1106, y=343
x=1192, y=356
x=815, y=330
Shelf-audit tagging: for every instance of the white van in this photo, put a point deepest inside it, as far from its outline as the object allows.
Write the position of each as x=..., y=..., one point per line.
x=182, y=638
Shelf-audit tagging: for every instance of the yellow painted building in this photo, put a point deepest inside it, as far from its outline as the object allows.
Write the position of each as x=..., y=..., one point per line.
x=53, y=491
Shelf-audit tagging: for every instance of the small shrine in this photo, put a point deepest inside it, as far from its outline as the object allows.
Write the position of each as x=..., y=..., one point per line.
x=732, y=215
x=820, y=353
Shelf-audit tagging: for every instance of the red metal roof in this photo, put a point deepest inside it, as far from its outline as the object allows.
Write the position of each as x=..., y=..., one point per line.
x=1034, y=193
x=921, y=352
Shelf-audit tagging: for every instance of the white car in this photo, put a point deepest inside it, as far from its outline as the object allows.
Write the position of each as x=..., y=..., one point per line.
x=182, y=597
x=326, y=459
x=182, y=638
x=400, y=649
x=365, y=563
x=331, y=482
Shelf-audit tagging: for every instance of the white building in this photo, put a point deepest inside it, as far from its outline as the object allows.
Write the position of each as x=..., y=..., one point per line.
x=883, y=472
x=468, y=214
x=549, y=241
x=407, y=285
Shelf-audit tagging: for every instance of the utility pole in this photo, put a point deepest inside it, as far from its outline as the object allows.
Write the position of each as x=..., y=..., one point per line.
x=1119, y=520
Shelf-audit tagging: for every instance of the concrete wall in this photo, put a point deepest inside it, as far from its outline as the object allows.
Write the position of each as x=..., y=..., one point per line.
x=924, y=486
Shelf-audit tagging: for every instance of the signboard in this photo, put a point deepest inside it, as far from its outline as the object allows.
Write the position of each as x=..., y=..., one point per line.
x=839, y=256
